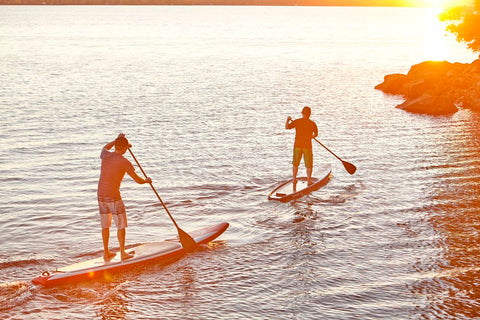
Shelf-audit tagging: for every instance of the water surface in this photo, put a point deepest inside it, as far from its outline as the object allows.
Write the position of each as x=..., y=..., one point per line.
x=203, y=93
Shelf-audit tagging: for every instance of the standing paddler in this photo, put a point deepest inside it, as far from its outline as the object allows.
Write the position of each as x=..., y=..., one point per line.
x=305, y=131
x=114, y=167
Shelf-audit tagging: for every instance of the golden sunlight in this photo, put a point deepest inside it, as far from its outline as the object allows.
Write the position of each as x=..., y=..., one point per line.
x=439, y=4
x=435, y=30
x=434, y=45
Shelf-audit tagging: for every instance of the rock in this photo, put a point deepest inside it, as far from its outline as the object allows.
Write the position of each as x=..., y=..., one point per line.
x=429, y=69
x=393, y=84
x=460, y=83
x=475, y=103
x=415, y=89
x=429, y=104
x=475, y=66
x=436, y=87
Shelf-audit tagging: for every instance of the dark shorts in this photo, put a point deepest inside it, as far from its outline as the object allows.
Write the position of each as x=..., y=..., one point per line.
x=307, y=157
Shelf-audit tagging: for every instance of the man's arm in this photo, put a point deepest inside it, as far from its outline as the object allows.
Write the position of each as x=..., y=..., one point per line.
x=138, y=179
x=110, y=145
x=315, y=131
x=288, y=123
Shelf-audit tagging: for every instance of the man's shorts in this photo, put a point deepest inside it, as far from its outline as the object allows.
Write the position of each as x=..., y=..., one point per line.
x=112, y=209
x=307, y=157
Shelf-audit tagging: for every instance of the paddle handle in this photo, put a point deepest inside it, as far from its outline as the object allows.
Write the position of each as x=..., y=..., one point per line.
x=153, y=188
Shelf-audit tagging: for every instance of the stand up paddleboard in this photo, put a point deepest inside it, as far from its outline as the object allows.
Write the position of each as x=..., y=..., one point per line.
x=144, y=253
x=285, y=191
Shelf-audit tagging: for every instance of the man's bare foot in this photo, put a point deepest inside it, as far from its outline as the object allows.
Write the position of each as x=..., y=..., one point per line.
x=107, y=256
x=126, y=256
x=294, y=185
x=309, y=182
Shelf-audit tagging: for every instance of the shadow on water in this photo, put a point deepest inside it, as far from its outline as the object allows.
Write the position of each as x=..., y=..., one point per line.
x=454, y=290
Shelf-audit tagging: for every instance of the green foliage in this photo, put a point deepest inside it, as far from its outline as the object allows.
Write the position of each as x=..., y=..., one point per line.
x=464, y=23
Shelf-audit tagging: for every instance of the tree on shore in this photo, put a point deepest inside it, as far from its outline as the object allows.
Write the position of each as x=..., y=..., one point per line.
x=464, y=23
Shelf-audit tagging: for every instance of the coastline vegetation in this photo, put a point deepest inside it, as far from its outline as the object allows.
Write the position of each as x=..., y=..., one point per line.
x=464, y=23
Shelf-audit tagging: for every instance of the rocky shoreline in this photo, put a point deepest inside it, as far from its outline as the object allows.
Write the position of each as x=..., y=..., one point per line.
x=436, y=87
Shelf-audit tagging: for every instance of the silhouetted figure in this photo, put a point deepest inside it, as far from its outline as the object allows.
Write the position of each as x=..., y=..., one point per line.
x=305, y=131
x=110, y=202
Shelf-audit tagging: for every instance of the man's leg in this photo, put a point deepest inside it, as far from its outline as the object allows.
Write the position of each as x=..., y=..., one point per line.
x=105, y=236
x=308, y=159
x=297, y=157
x=121, y=223
x=309, y=176
x=105, y=221
x=107, y=255
x=121, y=241
x=295, y=171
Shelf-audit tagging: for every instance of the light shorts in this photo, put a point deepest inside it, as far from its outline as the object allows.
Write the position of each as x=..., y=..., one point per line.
x=112, y=209
x=307, y=157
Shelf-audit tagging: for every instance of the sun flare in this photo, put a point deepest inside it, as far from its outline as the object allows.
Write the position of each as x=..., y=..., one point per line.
x=435, y=47
x=439, y=4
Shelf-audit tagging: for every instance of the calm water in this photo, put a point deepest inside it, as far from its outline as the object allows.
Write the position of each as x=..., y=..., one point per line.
x=203, y=93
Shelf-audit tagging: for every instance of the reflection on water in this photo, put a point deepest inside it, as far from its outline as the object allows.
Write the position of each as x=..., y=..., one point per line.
x=187, y=280
x=113, y=306
x=303, y=210
x=454, y=289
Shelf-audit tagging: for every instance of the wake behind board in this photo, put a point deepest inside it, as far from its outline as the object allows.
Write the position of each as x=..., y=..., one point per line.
x=285, y=191
x=143, y=253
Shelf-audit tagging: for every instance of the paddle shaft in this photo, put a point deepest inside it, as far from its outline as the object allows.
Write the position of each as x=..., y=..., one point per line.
x=153, y=188
x=328, y=149
x=347, y=165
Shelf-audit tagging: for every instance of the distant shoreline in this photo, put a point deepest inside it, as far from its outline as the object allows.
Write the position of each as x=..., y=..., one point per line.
x=317, y=3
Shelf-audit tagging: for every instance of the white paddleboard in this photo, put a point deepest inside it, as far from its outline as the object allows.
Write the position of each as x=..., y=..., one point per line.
x=287, y=191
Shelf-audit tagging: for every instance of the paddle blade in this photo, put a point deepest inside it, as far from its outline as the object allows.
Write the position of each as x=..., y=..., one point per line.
x=188, y=244
x=349, y=167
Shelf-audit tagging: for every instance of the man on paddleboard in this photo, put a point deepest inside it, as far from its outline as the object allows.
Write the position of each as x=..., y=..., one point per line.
x=305, y=131
x=110, y=202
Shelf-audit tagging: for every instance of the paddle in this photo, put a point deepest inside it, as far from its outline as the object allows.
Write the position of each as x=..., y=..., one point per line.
x=348, y=166
x=186, y=240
